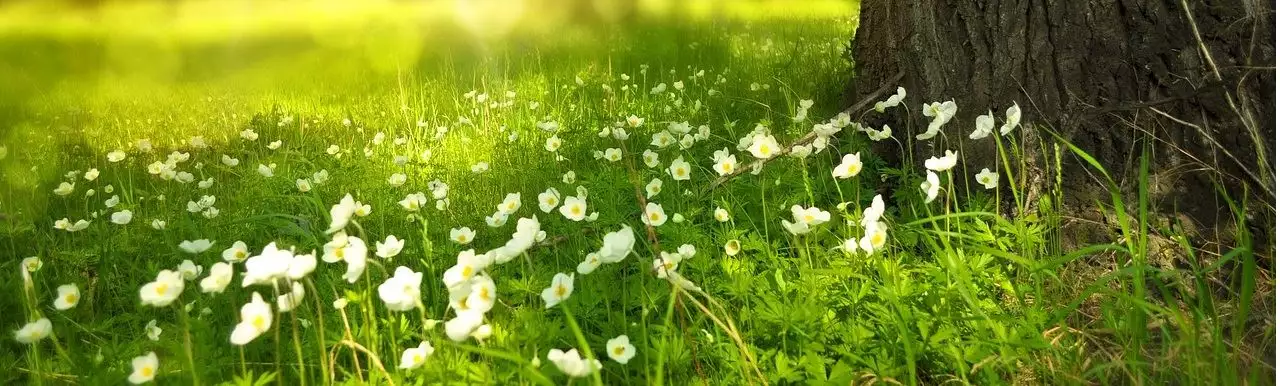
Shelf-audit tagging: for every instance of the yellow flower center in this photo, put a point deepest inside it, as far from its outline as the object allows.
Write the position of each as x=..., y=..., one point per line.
x=511, y=206
x=467, y=271
x=576, y=210
x=162, y=288
x=71, y=298
x=340, y=253
x=764, y=149
x=147, y=371
x=808, y=218
x=484, y=294
x=561, y=291
x=653, y=216
x=877, y=239
x=679, y=171
x=417, y=358
x=462, y=238
x=619, y=350
x=854, y=168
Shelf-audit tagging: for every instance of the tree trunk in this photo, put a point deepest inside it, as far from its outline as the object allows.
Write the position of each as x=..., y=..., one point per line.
x=1103, y=73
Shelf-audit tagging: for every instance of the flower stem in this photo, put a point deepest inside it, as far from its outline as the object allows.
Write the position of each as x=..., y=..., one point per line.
x=582, y=340
x=186, y=336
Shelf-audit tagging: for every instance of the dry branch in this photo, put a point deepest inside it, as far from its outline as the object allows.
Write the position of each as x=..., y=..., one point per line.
x=807, y=138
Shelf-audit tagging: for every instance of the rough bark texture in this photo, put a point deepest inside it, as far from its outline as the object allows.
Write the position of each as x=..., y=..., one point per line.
x=1096, y=71
x=1108, y=75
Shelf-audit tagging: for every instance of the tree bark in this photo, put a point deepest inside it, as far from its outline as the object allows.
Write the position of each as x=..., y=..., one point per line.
x=1105, y=74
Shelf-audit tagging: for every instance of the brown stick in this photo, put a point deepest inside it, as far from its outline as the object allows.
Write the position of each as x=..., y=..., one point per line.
x=807, y=138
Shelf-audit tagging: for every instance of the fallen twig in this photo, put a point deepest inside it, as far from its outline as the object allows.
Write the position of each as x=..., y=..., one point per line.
x=807, y=138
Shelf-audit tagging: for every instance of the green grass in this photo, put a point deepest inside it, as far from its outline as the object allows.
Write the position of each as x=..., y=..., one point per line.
x=971, y=288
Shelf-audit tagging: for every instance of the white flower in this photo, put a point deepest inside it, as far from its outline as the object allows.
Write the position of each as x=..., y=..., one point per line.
x=548, y=200
x=463, y=325
x=620, y=349
x=158, y=224
x=164, y=290
x=64, y=188
x=397, y=179
x=677, y=218
x=726, y=164
x=462, y=235
x=32, y=264
x=301, y=266
x=388, y=248
x=249, y=135
x=763, y=146
x=849, y=166
x=884, y=133
x=303, y=184
x=236, y=253
x=569, y=177
x=288, y=301
x=874, y=238
x=413, y=202
x=459, y=276
x=560, y=290
x=1012, y=117
x=413, y=358
x=662, y=139
x=153, y=331
x=679, y=169
x=267, y=170
x=553, y=143
x=144, y=368
x=987, y=178
x=350, y=249
x=480, y=167
x=801, y=151
x=983, y=125
x=930, y=186
x=277, y=143
x=189, y=270
x=617, y=245
x=496, y=220
x=510, y=204
x=589, y=264
x=634, y=121
x=206, y=183
x=116, y=156
x=574, y=208
x=340, y=214
x=255, y=319
x=666, y=264
x=572, y=364
x=721, y=214
x=941, y=114
x=112, y=202
x=34, y=331
x=403, y=291
x=653, y=188
x=68, y=297
x=122, y=217
x=872, y=214
x=613, y=154
x=265, y=268
x=231, y=162
x=942, y=164
x=333, y=150
x=732, y=247
x=650, y=158
x=196, y=246
x=892, y=101
x=653, y=215
x=220, y=275
x=91, y=175
x=805, y=219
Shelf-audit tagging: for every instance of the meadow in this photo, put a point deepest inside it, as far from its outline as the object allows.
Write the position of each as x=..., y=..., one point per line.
x=405, y=193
